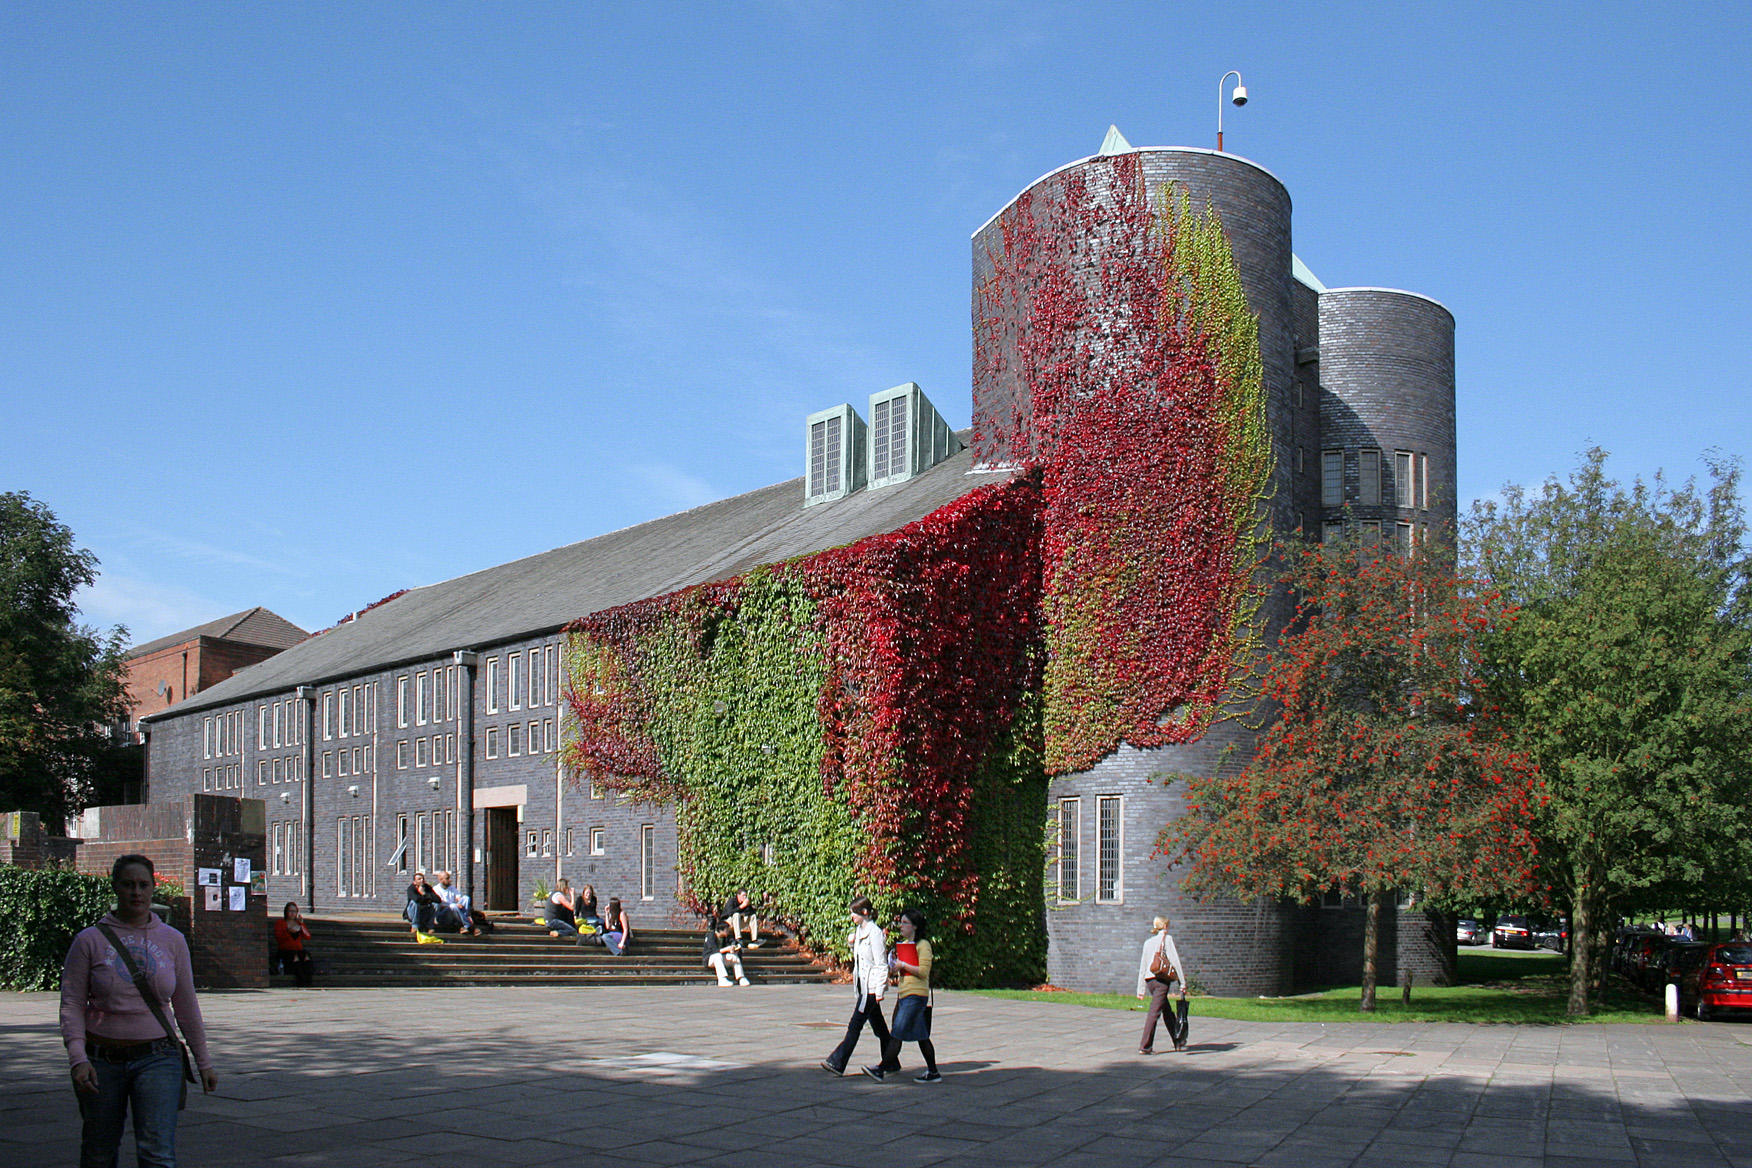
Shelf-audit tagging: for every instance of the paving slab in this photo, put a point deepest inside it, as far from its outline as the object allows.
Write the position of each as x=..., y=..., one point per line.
x=630, y=1075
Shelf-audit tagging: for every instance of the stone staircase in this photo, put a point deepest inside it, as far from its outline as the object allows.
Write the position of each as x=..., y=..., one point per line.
x=380, y=951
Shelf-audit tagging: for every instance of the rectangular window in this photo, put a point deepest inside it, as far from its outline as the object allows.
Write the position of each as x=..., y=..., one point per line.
x=531, y=845
x=327, y=758
x=1371, y=533
x=647, y=862
x=1070, y=838
x=450, y=748
x=341, y=758
x=276, y=859
x=419, y=752
x=261, y=772
x=534, y=737
x=401, y=842
x=1369, y=478
x=1301, y=459
x=328, y=715
x=1332, y=478
x=552, y=676
x=598, y=841
x=207, y=738
x=547, y=841
x=535, y=676
x=1402, y=478
x=1402, y=538
x=568, y=841
x=514, y=739
x=279, y=770
x=1423, y=481
x=343, y=840
x=401, y=702
x=361, y=717
x=492, y=742
x=344, y=723
x=1109, y=840
x=421, y=707
x=401, y=755
x=422, y=841
x=262, y=727
x=824, y=456
x=514, y=679
x=547, y=735
x=439, y=712
x=357, y=768
x=492, y=685
x=450, y=685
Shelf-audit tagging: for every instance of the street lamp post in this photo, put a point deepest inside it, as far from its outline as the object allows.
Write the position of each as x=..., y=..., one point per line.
x=1239, y=97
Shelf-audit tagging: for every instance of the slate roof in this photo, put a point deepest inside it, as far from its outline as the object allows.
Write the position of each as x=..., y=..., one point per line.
x=255, y=626
x=546, y=592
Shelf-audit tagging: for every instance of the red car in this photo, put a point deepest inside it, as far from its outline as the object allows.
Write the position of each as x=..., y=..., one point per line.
x=1724, y=980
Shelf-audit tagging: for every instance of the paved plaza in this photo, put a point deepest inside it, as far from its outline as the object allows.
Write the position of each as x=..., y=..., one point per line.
x=700, y=1076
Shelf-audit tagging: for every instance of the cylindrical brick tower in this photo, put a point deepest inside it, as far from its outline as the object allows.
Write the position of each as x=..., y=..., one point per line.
x=1107, y=817
x=1387, y=407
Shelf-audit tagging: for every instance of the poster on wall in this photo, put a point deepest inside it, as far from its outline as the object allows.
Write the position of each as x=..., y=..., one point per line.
x=239, y=897
x=207, y=877
x=240, y=870
x=258, y=883
x=212, y=891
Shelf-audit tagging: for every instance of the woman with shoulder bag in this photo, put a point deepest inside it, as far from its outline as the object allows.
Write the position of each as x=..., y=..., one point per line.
x=1161, y=973
x=120, y=1043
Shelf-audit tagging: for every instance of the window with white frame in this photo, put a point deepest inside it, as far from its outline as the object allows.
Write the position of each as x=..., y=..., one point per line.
x=1423, y=482
x=547, y=736
x=419, y=752
x=401, y=842
x=551, y=684
x=327, y=760
x=1332, y=478
x=547, y=841
x=262, y=727
x=598, y=841
x=439, y=712
x=361, y=709
x=532, y=845
x=421, y=699
x=342, y=758
x=279, y=770
x=328, y=715
x=207, y=738
x=647, y=861
x=261, y=772
x=1402, y=478
x=514, y=739
x=401, y=755
x=492, y=742
x=401, y=702
x=1070, y=839
x=514, y=677
x=1402, y=538
x=492, y=685
x=1109, y=848
x=344, y=721
x=276, y=862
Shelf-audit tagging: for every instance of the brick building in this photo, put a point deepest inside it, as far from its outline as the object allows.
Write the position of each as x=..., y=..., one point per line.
x=425, y=733
x=163, y=672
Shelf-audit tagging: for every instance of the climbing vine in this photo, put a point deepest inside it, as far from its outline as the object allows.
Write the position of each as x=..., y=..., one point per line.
x=1120, y=344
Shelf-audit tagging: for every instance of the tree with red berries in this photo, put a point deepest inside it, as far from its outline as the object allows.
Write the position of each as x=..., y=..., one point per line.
x=1383, y=771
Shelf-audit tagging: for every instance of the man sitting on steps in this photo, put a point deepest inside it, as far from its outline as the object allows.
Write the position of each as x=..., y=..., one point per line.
x=738, y=910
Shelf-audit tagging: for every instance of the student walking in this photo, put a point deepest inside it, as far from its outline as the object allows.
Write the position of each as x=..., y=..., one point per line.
x=912, y=1006
x=869, y=982
x=1161, y=973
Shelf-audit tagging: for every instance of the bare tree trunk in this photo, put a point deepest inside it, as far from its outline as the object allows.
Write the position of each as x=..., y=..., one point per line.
x=1371, y=950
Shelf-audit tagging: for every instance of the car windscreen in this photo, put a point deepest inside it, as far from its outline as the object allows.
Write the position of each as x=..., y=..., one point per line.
x=1734, y=954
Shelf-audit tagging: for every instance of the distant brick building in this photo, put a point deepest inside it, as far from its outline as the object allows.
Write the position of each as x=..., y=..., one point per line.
x=163, y=672
x=425, y=733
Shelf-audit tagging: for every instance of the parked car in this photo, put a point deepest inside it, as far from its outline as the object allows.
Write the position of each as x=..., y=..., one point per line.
x=1626, y=947
x=1554, y=937
x=1468, y=932
x=1676, y=962
x=1512, y=933
x=1722, y=980
x=1645, y=959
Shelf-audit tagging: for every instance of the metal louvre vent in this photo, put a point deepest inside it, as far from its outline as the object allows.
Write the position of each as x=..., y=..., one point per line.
x=888, y=422
x=824, y=456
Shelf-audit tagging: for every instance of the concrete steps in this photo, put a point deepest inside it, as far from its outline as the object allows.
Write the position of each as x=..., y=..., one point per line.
x=381, y=951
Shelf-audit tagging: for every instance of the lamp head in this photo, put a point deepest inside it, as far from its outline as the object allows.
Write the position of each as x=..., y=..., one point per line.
x=1239, y=97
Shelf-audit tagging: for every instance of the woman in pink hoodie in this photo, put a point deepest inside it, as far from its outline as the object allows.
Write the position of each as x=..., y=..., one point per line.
x=121, y=1057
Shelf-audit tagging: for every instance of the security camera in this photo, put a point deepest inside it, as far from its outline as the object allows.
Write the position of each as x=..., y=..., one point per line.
x=1239, y=97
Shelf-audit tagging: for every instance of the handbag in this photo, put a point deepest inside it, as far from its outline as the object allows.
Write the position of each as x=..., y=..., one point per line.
x=150, y=996
x=1161, y=968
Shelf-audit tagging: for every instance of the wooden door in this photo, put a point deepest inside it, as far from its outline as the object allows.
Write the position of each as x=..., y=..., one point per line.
x=501, y=859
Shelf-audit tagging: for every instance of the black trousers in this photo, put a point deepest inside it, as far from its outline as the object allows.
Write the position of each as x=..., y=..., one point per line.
x=870, y=1010
x=1162, y=1008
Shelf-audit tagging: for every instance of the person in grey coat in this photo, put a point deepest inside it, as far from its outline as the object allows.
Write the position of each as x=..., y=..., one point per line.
x=1157, y=990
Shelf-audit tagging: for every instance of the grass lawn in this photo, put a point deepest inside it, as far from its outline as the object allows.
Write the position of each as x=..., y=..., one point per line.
x=1530, y=988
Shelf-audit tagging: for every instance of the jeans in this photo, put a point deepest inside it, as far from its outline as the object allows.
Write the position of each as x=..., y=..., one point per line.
x=421, y=916
x=152, y=1086
x=869, y=1010
x=614, y=943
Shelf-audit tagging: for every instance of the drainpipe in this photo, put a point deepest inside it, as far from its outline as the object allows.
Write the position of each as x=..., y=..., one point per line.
x=306, y=696
x=467, y=659
x=145, y=730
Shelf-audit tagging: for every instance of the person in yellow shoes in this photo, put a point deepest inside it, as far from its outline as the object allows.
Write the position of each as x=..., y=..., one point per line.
x=911, y=959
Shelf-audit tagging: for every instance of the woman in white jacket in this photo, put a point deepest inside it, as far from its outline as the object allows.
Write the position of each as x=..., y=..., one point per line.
x=869, y=982
x=1158, y=989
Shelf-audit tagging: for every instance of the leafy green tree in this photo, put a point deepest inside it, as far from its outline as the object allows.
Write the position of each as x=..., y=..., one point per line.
x=1626, y=675
x=60, y=684
x=1380, y=772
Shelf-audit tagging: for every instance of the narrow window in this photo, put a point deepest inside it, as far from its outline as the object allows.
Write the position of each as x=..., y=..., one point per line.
x=530, y=846
x=401, y=702
x=340, y=762
x=547, y=841
x=262, y=772
x=1423, y=481
x=401, y=755
x=262, y=727
x=514, y=676
x=492, y=742
x=423, y=841
x=1070, y=828
x=421, y=707
x=551, y=684
x=279, y=848
x=207, y=738
x=279, y=770
x=514, y=739
x=401, y=841
x=438, y=711
x=450, y=748
x=598, y=841
x=492, y=685
x=345, y=719
x=327, y=760
x=1402, y=478
x=1402, y=538
x=419, y=752
x=361, y=716
x=568, y=841
x=1109, y=839
x=1332, y=478
x=1369, y=478
x=647, y=861
x=328, y=715
x=343, y=837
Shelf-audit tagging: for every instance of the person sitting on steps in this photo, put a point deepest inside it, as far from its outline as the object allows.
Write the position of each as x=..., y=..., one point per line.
x=739, y=910
x=423, y=903
x=723, y=956
x=562, y=919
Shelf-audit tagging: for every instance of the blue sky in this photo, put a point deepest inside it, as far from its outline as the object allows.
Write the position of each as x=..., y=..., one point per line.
x=305, y=304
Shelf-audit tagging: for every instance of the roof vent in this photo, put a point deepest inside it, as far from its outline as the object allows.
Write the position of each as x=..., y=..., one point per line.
x=833, y=454
x=907, y=435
